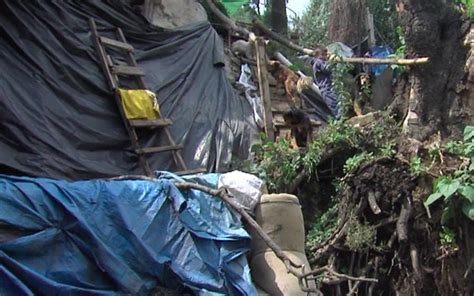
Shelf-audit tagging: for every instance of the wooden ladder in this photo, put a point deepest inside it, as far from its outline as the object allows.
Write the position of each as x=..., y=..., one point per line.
x=112, y=72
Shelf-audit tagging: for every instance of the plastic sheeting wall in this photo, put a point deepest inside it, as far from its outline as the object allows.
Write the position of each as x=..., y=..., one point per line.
x=58, y=117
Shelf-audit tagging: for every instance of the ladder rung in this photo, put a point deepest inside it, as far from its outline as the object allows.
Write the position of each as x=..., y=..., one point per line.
x=127, y=70
x=115, y=43
x=159, y=149
x=191, y=172
x=150, y=123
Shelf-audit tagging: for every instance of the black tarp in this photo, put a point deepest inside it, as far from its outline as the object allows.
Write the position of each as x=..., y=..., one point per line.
x=58, y=117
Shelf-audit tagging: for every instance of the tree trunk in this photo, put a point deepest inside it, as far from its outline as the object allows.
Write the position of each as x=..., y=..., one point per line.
x=347, y=21
x=434, y=29
x=278, y=17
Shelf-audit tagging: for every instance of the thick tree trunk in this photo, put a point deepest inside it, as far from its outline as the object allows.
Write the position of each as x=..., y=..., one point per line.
x=433, y=29
x=347, y=21
x=278, y=17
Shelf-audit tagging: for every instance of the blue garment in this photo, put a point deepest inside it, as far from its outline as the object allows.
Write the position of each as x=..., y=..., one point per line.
x=321, y=71
x=323, y=79
x=105, y=237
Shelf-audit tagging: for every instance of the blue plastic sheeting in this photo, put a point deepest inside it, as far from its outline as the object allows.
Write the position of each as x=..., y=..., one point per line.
x=115, y=237
x=380, y=52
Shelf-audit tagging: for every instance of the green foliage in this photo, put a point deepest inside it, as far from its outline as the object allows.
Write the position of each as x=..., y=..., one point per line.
x=336, y=133
x=461, y=182
x=277, y=163
x=400, y=51
x=466, y=6
x=355, y=161
x=313, y=26
x=341, y=82
x=387, y=150
x=361, y=237
x=447, y=237
x=322, y=227
x=454, y=147
x=385, y=21
x=416, y=166
x=245, y=14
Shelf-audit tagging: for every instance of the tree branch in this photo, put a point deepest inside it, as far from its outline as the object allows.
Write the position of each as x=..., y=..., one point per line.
x=277, y=37
x=340, y=275
x=231, y=25
x=291, y=267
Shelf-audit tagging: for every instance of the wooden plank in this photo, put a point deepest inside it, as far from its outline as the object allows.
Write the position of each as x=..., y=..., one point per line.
x=149, y=150
x=102, y=55
x=116, y=44
x=150, y=123
x=130, y=58
x=176, y=154
x=264, y=87
x=127, y=70
x=370, y=28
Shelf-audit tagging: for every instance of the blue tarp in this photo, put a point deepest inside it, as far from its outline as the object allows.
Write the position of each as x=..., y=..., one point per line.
x=119, y=237
x=380, y=52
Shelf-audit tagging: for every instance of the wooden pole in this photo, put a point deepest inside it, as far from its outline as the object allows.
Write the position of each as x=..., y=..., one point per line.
x=394, y=61
x=370, y=28
x=264, y=87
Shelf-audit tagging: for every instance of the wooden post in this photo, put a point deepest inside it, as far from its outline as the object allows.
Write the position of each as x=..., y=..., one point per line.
x=371, y=28
x=264, y=87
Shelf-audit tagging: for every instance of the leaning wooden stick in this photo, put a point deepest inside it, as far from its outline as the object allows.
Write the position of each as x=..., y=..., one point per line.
x=222, y=193
x=291, y=266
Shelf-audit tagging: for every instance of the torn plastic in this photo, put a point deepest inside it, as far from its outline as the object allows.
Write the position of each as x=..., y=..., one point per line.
x=245, y=188
x=250, y=91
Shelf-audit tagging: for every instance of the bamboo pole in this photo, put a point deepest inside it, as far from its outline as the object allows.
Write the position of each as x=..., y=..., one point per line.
x=394, y=61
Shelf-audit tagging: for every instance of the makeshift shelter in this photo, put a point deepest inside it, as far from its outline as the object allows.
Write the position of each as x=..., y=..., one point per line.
x=59, y=118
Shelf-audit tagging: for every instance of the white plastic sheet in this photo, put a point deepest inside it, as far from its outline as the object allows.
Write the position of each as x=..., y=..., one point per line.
x=245, y=188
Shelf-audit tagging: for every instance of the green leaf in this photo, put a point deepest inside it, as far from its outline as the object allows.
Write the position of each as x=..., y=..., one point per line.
x=468, y=133
x=468, y=192
x=468, y=209
x=448, y=188
x=432, y=198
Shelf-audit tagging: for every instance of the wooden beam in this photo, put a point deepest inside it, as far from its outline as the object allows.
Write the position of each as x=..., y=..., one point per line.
x=159, y=149
x=116, y=44
x=264, y=87
x=127, y=70
x=394, y=61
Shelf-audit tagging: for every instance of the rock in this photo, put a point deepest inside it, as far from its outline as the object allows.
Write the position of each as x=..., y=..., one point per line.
x=363, y=120
x=172, y=14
